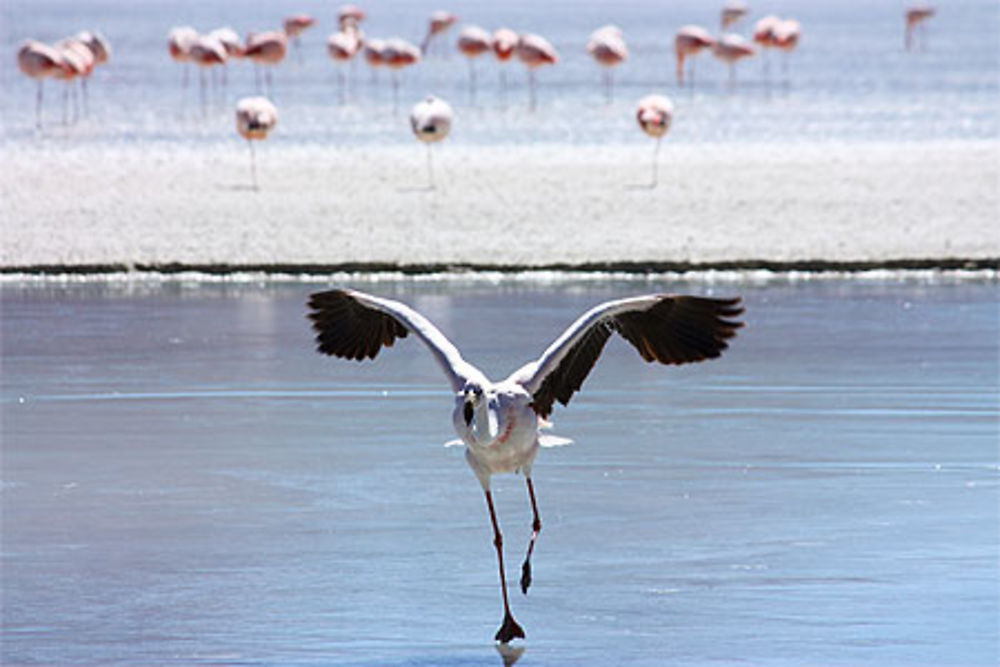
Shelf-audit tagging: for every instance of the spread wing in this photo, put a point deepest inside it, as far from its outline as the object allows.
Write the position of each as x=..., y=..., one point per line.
x=355, y=325
x=666, y=328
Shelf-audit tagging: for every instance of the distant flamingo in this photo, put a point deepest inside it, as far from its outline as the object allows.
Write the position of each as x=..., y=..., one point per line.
x=440, y=23
x=342, y=47
x=786, y=37
x=399, y=54
x=179, y=41
x=207, y=52
x=255, y=118
x=295, y=25
x=372, y=52
x=654, y=115
x=81, y=62
x=731, y=48
x=230, y=39
x=732, y=13
x=688, y=42
x=473, y=42
x=763, y=36
x=534, y=51
x=607, y=46
x=101, y=52
x=430, y=121
x=39, y=62
x=350, y=13
x=268, y=49
x=504, y=44
x=915, y=18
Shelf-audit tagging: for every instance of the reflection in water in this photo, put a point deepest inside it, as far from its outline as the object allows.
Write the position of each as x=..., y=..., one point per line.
x=510, y=653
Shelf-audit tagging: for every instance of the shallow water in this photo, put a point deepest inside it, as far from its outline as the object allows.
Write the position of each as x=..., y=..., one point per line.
x=849, y=80
x=186, y=481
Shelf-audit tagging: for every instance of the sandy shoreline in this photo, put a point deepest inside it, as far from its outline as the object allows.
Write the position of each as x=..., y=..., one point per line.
x=183, y=206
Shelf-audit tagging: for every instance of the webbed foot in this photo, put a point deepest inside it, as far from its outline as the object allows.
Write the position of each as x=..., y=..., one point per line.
x=509, y=630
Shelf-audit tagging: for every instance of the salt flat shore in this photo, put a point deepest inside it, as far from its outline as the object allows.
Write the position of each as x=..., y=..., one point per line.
x=190, y=205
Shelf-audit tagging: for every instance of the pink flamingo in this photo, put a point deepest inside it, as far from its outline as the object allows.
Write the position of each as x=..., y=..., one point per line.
x=430, y=121
x=915, y=17
x=295, y=25
x=534, y=51
x=763, y=36
x=654, y=115
x=398, y=55
x=255, y=118
x=372, y=51
x=730, y=49
x=732, y=13
x=689, y=41
x=179, y=41
x=207, y=52
x=473, y=42
x=81, y=62
x=39, y=62
x=234, y=48
x=342, y=47
x=504, y=44
x=267, y=49
x=350, y=14
x=786, y=37
x=607, y=46
x=440, y=23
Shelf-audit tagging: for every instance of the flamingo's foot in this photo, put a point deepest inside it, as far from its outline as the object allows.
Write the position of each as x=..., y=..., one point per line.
x=509, y=630
x=525, y=576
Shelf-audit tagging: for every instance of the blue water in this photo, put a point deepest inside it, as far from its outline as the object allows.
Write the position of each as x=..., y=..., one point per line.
x=850, y=79
x=186, y=482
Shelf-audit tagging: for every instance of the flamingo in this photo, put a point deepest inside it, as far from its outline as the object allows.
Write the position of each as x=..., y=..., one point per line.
x=342, y=47
x=607, y=46
x=295, y=25
x=473, y=42
x=915, y=17
x=534, y=51
x=504, y=44
x=81, y=62
x=763, y=36
x=39, y=62
x=786, y=37
x=731, y=48
x=350, y=13
x=207, y=52
x=440, y=23
x=430, y=121
x=689, y=41
x=500, y=423
x=230, y=40
x=654, y=114
x=372, y=52
x=267, y=48
x=399, y=54
x=179, y=41
x=732, y=13
x=255, y=118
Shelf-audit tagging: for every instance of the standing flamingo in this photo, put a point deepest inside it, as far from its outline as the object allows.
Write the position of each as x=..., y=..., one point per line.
x=207, y=52
x=342, y=47
x=473, y=42
x=100, y=50
x=915, y=17
x=688, y=42
x=786, y=37
x=654, y=115
x=399, y=54
x=230, y=40
x=504, y=44
x=39, y=62
x=731, y=48
x=607, y=46
x=372, y=52
x=350, y=13
x=295, y=25
x=179, y=41
x=732, y=13
x=534, y=51
x=440, y=23
x=81, y=62
x=763, y=36
x=255, y=118
x=430, y=121
x=267, y=49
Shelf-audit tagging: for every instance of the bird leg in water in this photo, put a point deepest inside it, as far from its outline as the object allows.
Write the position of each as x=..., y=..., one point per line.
x=536, y=527
x=253, y=165
x=531, y=90
x=510, y=628
x=430, y=169
x=38, y=106
x=656, y=163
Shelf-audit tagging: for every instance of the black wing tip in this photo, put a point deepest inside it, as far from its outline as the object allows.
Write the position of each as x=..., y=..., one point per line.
x=345, y=327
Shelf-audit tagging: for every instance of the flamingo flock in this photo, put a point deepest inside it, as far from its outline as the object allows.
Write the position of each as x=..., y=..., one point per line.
x=68, y=60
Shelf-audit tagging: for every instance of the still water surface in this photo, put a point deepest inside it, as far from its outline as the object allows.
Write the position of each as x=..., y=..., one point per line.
x=185, y=481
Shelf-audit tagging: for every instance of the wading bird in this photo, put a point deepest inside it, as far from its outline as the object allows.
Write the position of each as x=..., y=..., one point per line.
x=255, y=118
x=654, y=115
x=39, y=61
x=500, y=423
x=689, y=41
x=440, y=23
x=397, y=55
x=732, y=13
x=269, y=49
x=731, y=48
x=915, y=17
x=295, y=25
x=534, y=51
x=607, y=46
x=504, y=43
x=473, y=42
x=430, y=121
x=179, y=43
